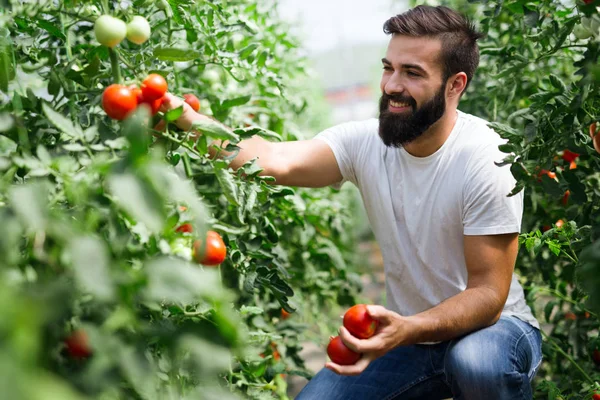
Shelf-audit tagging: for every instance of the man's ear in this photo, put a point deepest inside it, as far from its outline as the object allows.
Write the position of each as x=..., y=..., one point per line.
x=457, y=84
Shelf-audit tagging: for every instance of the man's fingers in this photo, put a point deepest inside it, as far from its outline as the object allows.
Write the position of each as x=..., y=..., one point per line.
x=351, y=370
x=379, y=313
x=373, y=344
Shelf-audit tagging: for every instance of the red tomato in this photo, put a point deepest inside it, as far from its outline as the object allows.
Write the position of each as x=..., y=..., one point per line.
x=596, y=396
x=187, y=228
x=193, y=101
x=118, y=101
x=285, y=314
x=588, y=1
x=154, y=105
x=573, y=165
x=78, y=345
x=138, y=93
x=213, y=253
x=596, y=357
x=154, y=87
x=559, y=223
x=571, y=316
x=569, y=156
x=565, y=198
x=358, y=321
x=595, y=135
x=340, y=354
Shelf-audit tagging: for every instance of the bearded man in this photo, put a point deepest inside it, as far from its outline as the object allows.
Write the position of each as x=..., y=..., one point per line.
x=456, y=323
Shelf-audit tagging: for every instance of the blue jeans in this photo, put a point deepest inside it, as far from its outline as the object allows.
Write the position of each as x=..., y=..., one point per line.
x=495, y=363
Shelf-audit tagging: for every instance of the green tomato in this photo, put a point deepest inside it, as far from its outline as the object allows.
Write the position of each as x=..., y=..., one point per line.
x=110, y=31
x=581, y=32
x=138, y=30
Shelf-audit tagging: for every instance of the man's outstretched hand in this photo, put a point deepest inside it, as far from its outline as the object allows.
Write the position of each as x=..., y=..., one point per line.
x=390, y=333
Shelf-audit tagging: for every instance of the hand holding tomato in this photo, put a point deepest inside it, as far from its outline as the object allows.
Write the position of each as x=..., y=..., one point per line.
x=390, y=333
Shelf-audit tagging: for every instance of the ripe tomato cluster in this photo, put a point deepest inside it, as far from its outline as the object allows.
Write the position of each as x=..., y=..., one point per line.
x=361, y=325
x=118, y=101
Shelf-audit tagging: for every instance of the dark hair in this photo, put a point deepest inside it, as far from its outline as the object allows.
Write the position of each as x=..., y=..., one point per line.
x=456, y=32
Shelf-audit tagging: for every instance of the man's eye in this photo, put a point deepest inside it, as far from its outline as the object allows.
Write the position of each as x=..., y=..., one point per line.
x=412, y=73
x=387, y=68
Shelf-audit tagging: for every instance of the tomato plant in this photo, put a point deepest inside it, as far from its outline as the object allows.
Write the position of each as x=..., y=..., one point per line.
x=91, y=209
x=340, y=353
x=359, y=323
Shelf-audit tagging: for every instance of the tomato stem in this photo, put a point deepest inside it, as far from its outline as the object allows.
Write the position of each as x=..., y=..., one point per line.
x=114, y=62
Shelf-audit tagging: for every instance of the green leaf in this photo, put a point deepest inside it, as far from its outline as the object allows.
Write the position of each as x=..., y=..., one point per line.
x=246, y=51
x=251, y=310
x=176, y=281
x=214, y=129
x=30, y=202
x=174, y=54
x=90, y=261
x=7, y=68
x=238, y=101
x=63, y=124
x=137, y=200
x=51, y=28
x=228, y=185
x=173, y=114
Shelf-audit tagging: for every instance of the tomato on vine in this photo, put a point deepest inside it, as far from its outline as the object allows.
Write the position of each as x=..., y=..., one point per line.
x=118, y=101
x=138, y=30
x=109, y=31
x=154, y=87
x=185, y=228
x=211, y=251
x=78, y=345
x=193, y=101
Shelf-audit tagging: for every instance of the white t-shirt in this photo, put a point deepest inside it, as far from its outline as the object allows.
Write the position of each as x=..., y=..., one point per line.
x=420, y=208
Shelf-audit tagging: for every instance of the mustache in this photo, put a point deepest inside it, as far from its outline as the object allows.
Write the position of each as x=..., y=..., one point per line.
x=398, y=98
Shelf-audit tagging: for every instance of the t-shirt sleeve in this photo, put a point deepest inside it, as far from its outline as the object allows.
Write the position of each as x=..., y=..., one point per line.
x=348, y=142
x=487, y=208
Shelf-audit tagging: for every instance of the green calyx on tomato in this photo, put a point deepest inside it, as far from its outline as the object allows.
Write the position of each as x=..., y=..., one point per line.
x=109, y=31
x=340, y=353
x=211, y=251
x=118, y=101
x=359, y=323
x=154, y=87
x=138, y=30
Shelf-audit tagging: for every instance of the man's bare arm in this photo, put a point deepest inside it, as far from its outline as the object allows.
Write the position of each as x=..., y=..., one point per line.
x=490, y=263
x=306, y=163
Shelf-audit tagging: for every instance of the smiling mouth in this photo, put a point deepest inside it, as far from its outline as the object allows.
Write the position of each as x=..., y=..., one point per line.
x=398, y=104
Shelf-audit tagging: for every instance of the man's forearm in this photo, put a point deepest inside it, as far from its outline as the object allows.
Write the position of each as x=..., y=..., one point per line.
x=468, y=311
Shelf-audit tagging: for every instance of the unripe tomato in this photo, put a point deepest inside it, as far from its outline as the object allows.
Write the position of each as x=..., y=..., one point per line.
x=340, y=353
x=358, y=321
x=581, y=32
x=78, y=345
x=212, y=252
x=154, y=87
x=193, y=101
x=187, y=228
x=118, y=101
x=138, y=30
x=110, y=31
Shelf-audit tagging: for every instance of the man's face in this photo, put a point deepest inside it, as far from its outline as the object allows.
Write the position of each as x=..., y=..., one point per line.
x=413, y=94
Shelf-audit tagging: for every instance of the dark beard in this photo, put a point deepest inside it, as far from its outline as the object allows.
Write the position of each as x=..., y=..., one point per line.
x=397, y=130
